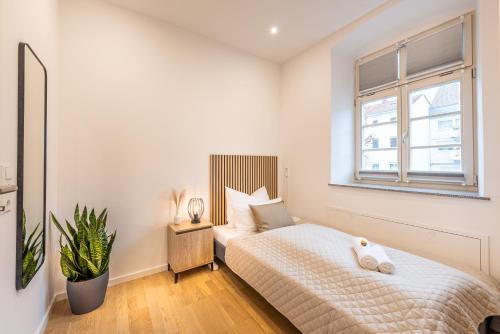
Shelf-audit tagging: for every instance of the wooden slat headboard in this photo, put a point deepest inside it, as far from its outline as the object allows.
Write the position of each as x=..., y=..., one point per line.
x=245, y=173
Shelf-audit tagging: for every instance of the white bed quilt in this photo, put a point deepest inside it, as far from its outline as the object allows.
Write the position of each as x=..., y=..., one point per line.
x=310, y=274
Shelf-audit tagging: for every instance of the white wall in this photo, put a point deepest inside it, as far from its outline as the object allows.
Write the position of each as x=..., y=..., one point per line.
x=306, y=107
x=143, y=104
x=34, y=22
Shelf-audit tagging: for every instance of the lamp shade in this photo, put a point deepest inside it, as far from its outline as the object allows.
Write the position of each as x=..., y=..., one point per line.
x=195, y=209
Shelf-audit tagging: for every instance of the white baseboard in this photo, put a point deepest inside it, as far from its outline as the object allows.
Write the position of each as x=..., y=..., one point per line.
x=137, y=274
x=45, y=319
x=121, y=279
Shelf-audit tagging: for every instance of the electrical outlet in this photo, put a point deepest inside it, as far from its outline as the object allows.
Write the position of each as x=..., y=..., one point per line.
x=287, y=172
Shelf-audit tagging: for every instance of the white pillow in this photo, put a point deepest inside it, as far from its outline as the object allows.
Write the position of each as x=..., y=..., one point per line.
x=241, y=214
x=260, y=194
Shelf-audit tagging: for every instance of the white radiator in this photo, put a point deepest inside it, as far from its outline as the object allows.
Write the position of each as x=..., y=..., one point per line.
x=441, y=244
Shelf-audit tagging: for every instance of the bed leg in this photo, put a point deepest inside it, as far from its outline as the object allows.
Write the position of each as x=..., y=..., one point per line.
x=176, y=277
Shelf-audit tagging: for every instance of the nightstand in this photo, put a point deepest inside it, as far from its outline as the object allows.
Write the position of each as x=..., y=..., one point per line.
x=189, y=246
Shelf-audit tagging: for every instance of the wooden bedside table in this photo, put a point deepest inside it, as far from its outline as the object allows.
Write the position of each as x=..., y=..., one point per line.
x=189, y=246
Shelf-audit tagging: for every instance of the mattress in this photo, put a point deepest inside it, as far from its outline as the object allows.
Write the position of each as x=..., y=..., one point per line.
x=223, y=233
x=310, y=274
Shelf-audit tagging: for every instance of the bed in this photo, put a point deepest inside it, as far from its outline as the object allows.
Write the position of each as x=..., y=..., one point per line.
x=310, y=274
x=222, y=235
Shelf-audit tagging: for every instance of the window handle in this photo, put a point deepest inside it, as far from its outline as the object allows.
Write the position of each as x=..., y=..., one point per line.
x=405, y=137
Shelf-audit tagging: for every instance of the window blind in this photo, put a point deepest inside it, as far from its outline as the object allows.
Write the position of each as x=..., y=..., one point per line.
x=378, y=72
x=440, y=49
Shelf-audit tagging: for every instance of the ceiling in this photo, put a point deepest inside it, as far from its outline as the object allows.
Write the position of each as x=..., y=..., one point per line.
x=245, y=24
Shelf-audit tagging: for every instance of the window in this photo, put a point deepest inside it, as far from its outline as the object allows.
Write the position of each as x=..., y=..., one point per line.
x=431, y=148
x=414, y=118
x=379, y=124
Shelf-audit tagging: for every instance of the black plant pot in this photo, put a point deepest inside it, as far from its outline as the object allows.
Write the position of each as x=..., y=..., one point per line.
x=86, y=296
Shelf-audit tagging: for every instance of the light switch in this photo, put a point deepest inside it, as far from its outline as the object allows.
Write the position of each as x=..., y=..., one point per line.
x=8, y=173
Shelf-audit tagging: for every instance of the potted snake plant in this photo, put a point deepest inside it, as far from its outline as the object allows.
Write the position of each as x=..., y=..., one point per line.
x=85, y=255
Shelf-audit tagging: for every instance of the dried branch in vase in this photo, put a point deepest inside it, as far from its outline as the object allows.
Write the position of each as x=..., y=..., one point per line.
x=178, y=197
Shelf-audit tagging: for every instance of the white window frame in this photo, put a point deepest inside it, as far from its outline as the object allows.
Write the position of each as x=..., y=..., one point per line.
x=466, y=177
x=377, y=175
x=463, y=72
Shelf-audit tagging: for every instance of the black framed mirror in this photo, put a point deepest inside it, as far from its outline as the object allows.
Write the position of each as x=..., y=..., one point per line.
x=31, y=165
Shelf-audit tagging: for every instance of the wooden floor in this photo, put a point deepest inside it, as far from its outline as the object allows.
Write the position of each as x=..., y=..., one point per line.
x=202, y=302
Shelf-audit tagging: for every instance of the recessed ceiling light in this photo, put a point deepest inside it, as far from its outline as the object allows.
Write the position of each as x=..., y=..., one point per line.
x=274, y=30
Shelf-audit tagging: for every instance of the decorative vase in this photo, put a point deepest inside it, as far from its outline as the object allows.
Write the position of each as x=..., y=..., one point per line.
x=177, y=220
x=86, y=296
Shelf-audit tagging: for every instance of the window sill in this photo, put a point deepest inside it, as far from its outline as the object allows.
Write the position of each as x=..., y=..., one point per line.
x=421, y=191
